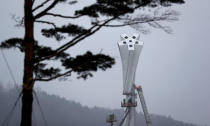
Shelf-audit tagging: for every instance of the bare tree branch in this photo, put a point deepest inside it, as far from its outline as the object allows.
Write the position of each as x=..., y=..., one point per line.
x=56, y=52
x=33, y=2
x=126, y=21
x=46, y=10
x=54, y=77
x=46, y=22
x=77, y=39
x=62, y=16
x=41, y=5
x=137, y=22
x=167, y=29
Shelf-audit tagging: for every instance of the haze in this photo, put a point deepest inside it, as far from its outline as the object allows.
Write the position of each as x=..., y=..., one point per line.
x=173, y=69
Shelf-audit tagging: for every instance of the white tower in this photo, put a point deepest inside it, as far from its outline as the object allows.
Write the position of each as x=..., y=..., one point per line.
x=130, y=48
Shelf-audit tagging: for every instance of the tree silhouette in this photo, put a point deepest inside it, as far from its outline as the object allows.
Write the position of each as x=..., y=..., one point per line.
x=102, y=13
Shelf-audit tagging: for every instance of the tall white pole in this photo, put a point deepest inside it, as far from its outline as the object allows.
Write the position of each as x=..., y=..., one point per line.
x=130, y=48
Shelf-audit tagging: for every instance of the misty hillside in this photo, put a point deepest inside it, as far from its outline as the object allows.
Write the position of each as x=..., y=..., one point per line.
x=61, y=112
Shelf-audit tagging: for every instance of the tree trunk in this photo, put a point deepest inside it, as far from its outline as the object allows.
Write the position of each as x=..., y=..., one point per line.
x=28, y=81
x=27, y=101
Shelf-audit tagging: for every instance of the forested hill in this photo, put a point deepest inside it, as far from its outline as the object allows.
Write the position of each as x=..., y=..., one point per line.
x=61, y=112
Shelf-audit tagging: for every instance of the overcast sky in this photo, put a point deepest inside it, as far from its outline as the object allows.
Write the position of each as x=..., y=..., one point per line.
x=174, y=70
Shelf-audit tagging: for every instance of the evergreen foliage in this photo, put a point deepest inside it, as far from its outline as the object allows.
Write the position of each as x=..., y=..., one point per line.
x=104, y=12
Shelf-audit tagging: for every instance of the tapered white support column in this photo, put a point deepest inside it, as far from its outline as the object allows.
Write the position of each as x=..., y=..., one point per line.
x=130, y=48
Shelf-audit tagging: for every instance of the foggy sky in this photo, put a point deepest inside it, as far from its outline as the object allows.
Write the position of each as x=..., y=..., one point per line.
x=173, y=69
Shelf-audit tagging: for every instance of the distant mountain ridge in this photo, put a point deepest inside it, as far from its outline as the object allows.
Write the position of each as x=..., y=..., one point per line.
x=61, y=112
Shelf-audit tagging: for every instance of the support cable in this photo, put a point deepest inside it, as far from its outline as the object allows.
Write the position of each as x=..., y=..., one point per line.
x=128, y=110
x=40, y=108
x=10, y=70
x=34, y=118
x=9, y=116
